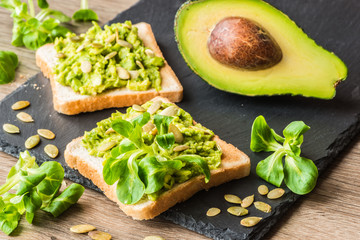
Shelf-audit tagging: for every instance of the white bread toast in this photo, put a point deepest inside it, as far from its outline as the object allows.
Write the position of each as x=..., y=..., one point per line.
x=68, y=102
x=234, y=165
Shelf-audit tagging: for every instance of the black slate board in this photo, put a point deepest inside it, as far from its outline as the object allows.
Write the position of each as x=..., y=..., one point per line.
x=334, y=24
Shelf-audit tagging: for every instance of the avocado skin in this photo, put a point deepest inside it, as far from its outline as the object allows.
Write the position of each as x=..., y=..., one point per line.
x=307, y=85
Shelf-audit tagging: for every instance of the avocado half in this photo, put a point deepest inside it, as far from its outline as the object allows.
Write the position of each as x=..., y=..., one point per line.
x=304, y=69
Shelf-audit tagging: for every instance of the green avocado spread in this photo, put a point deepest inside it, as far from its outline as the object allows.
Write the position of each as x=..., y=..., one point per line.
x=196, y=140
x=100, y=60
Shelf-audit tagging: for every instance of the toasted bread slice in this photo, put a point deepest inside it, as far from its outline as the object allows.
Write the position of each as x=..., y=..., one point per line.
x=68, y=102
x=234, y=165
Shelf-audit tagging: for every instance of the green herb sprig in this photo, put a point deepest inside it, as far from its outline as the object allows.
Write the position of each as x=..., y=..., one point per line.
x=85, y=14
x=299, y=173
x=36, y=188
x=33, y=31
x=144, y=169
x=8, y=64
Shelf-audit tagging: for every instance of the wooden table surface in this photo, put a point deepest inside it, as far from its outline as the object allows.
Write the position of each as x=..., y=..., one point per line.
x=331, y=211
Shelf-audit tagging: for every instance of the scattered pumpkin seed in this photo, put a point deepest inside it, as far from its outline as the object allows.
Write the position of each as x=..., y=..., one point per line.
x=111, y=38
x=32, y=141
x=76, y=39
x=140, y=65
x=122, y=73
x=110, y=130
x=117, y=35
x=148, y=127
x=106, y=146
x=250, y=221
x=45, y=133
x=60, y=55
x=25, y=117
x=124, y=43
x=134, y=74
x=110, y=55
x=232, y=198
x=82, y=228
x=170, y=111
x=86, y=66
x=154, y=107
x=179, y=138
x=264, y=207
x=98, y=235
x=149, y=52
x=237, y=211
x=246, y=202
x=154, y=238
x=138, y=108
x=10, y=128
x=97, y=45
x=80, y=48
x=20, y=105
x=213, y=212
x=180, y=148
x=51, y=150
x=263, y=189
x=276, y=193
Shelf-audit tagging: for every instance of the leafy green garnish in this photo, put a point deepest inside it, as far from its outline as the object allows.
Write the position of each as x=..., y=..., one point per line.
x=85, y=14
x=8, y=64
x=145, y=169
x=33, y=31
x=36, y=188
x=299, y=173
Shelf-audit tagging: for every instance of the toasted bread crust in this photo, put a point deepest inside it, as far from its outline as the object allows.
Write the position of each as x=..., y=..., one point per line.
x=234, y=165
x=68, y=102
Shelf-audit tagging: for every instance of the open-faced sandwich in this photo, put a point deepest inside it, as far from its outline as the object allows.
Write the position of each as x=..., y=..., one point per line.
x=117, y=66
x=154, y=156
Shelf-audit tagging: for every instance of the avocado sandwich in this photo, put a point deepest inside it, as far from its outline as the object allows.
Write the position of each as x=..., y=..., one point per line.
x=117, y=66
x=153, y=157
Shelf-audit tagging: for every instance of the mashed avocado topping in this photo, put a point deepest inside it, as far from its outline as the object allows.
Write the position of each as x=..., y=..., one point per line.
x=171, y=149
x=99, y=60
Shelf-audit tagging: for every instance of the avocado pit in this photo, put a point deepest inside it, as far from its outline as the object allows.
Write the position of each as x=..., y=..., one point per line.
x=241, y=43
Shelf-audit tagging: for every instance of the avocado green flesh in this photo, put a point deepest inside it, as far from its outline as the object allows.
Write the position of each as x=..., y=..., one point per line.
x=305, y=69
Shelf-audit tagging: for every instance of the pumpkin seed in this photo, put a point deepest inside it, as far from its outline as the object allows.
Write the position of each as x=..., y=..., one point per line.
x=122, y=73
x=110, y=130
x=148, y=127
x=51, y=150
x=76, y=39
x=140, y=65
x=20, y=105
x=80, y=48
x=106, y=146
x=179, y=138
x=98, y=235
x=97, y=45
x=170, y=111
x=110, y=55
x=246, y=202
x=213, y=212
x=85, y=66
x=138, y=108
x=232, y=198
x=237, y=211
x=25, y=117
x=264, y=207
x=83, y=228
x=111, y=38
x=117, y=35
x=154, y=238
x=9, y=128
x=154, y=107
x=60, y=55
x=149, y=52
x=276, y=193
x=250, y=221
x=134, y=74
x=180, y=148
x=124, y=43
x=45, y=133
x=32, y=141
x=263, y=189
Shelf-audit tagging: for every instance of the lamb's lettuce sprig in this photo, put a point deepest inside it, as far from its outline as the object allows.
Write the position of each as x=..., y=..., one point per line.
x=145, y=169
x=299, y=173
x=36, y=188
x=84, y=13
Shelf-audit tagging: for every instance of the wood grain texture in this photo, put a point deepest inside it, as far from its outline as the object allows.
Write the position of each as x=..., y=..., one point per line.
x=331, y=211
